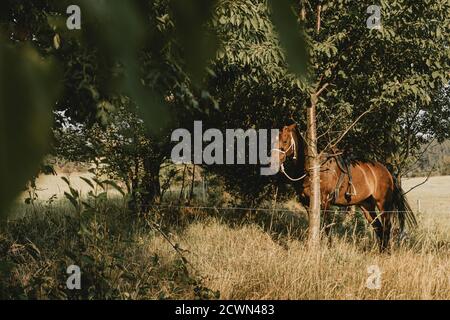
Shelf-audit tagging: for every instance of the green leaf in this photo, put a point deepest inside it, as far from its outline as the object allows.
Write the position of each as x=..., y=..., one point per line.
x=28, y=92
x=74, y=193
x=115, y=186
x=119, y=28
x=88, y=182
x=102, y=196
x=290, y=37
x=100, y=183
x=72, y=200
x=199, y=45
x=66, y=181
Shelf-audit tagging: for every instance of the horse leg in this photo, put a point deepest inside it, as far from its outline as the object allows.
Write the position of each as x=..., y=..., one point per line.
x=303, y=199
x=387, y=229
x=327, y=214
x=369, y=210
x=385, y=218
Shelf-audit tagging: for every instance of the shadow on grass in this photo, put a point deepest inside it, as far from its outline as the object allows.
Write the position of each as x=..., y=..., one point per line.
x=280, y=223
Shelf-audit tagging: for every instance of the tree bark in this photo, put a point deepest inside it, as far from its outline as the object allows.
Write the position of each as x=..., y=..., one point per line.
x=314, y=175
x=133, y=204
x=182, y=184
x=151, y=185
x=191, y=193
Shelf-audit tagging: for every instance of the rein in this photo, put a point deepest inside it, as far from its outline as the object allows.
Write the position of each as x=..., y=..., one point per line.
x=290, y=178
x=292, y=145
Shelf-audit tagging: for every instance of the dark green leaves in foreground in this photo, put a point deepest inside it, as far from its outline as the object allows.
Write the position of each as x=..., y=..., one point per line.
x=118, y=29
x=199, y=45
x=27, y=94
x=289, y=35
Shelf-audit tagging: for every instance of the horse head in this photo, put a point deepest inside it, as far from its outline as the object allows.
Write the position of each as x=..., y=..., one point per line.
x=286, y=145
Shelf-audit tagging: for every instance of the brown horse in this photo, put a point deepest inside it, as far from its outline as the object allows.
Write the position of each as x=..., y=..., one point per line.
x=372, y=186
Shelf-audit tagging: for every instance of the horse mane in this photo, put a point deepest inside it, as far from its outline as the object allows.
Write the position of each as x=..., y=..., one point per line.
x=301, y=150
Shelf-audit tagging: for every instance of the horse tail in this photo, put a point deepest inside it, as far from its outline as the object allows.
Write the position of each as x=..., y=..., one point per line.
x=401, y=205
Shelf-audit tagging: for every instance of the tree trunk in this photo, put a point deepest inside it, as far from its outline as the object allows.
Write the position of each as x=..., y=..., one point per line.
x=182, y=184
x=133, y=204
x=151, y=185
x=191, y=192
x=314, y=176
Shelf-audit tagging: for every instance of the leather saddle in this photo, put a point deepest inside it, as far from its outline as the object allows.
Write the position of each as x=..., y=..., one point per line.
x=344, y=164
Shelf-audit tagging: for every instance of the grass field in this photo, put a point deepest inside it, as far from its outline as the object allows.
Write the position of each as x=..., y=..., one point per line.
x=434, y=198
x=434, y=195
x=257, y=256
x=245, y=263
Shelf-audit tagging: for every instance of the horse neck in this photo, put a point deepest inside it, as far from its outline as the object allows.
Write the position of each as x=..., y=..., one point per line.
x=301, y=154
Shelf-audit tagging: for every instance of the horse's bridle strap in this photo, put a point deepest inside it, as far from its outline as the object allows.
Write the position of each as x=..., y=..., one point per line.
x=290, y=178
x=290, y=146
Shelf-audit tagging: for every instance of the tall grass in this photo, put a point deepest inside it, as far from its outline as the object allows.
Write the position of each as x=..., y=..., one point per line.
x=229, y=255
x=245, y=263
x=110, y=247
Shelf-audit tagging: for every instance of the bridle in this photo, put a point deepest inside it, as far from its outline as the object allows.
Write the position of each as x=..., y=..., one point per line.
x=292, y=145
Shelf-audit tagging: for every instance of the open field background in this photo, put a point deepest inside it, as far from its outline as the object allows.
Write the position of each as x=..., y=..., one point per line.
x=434, y=195
x=434, y=199
x=431, y=200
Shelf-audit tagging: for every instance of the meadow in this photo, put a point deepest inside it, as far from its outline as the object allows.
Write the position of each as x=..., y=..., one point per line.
x=174, y=253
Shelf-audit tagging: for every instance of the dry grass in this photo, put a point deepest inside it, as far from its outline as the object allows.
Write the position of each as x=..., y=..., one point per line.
x=245, y=263
x=259, y=259
x=53, y=185
x=127, y=260
x=434, y=197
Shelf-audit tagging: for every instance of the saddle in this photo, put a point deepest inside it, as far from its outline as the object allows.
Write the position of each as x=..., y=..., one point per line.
x=344, y=164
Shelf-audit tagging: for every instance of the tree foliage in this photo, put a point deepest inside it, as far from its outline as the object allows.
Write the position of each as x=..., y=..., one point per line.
x=146, y=67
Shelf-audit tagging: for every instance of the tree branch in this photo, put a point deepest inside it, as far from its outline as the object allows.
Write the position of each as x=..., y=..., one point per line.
x=423, y=182
x=332, y=145
x=319, y=10
x=321, y=89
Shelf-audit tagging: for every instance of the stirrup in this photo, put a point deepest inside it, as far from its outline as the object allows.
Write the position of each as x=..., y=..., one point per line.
x=352, y=188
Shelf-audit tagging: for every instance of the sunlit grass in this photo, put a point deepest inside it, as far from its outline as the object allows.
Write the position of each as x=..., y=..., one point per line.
x=253, y=256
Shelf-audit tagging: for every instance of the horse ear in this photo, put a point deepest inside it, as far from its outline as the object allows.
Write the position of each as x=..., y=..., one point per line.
x=292, y=127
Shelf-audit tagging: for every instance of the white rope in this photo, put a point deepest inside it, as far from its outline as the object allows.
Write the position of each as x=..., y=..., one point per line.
x=290, y=178
x=292, y=145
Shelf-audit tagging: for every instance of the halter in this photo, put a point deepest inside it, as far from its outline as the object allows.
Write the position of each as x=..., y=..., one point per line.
x=292, y=145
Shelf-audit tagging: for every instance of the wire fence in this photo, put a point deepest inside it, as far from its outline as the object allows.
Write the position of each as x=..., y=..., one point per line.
x=342, y=209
